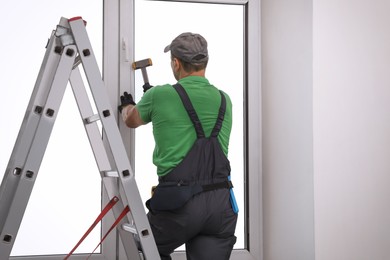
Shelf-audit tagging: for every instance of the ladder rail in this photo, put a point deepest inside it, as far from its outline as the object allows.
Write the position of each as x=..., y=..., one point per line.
x=68, y=47
x=125, y=172
x=26, y=133
x=92, y=129
x=110, y=184
x=35, y=146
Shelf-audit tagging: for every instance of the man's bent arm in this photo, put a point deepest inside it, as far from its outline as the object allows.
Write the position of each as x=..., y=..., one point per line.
x=131, y=117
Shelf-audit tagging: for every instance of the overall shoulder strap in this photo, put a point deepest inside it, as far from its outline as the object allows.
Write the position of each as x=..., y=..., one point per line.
x=190, y=110
x=194, y=117
x=221, y=115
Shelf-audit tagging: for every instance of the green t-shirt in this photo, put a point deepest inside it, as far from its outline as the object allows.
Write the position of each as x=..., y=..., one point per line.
x=173, y=131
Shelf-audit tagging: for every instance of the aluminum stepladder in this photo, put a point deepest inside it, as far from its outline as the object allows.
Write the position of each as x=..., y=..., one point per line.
x=69, y=46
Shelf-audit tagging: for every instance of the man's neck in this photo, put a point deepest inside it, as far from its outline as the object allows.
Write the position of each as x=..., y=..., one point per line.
x=200, y=73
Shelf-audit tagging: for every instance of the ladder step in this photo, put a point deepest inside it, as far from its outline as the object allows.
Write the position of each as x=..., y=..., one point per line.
x=113, y=174
x=91, y=119
x=129, y=228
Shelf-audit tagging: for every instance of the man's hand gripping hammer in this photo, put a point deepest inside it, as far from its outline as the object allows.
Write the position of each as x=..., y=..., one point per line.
x=142, y=64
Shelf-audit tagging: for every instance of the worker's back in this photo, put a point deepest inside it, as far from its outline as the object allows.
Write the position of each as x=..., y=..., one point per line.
x=173, y=130
x=192, y=202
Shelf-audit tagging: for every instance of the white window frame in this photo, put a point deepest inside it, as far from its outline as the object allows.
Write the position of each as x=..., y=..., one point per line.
x=117, y=73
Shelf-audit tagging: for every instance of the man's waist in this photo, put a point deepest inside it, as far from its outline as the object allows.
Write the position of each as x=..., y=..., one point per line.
x=184, y=181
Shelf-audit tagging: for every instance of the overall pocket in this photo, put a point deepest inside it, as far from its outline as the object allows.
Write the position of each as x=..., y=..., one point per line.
x=172, y=195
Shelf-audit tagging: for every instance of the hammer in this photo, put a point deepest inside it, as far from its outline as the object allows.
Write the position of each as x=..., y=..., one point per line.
x=142, y=64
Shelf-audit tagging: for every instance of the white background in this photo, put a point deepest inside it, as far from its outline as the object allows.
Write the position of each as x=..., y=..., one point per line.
x=352, y=129
x=326, y=129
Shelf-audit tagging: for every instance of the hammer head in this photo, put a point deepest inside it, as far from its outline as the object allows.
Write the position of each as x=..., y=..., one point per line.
x=142, y=64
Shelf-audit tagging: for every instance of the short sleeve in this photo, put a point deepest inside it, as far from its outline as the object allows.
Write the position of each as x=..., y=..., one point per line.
x=144, y=106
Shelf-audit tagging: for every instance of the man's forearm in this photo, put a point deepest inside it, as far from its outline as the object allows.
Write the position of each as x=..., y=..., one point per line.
x=131, y=117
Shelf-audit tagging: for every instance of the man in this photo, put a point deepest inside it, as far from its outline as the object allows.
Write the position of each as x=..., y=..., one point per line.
x=191, y=126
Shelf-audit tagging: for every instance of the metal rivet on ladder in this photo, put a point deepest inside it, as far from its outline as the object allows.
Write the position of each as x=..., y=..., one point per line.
x=145, y=233
x=7, y=238
x=38, y=110
x=17, y=171
x=126, y=173
x=49, y=112
x=58, y=49
x=86, y=52
x=29, y=174
x=106, y=113
x=70, y=52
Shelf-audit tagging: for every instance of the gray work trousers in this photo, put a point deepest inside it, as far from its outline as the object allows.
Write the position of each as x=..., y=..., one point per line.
x=205, y=224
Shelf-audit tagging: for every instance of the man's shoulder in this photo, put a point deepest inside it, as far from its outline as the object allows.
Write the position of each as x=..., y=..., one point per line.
x=228, y=100
x=164, y=86
x=162, y=93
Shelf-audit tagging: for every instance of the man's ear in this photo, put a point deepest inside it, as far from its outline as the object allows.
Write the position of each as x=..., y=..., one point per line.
x=176, y=64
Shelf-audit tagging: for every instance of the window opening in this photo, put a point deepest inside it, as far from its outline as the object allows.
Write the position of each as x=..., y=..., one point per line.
x=154, y=29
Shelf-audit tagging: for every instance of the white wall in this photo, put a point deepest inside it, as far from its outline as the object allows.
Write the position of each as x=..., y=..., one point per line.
x=326, y=124
x=352, y=129
x=288, y=210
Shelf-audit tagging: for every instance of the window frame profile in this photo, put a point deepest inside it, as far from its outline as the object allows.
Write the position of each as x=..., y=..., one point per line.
x=118, y=39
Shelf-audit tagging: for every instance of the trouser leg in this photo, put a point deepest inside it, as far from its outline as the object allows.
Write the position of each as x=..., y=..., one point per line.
x=210, y=248
x=169, y=231
x=206, y=224
x=216, y=240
